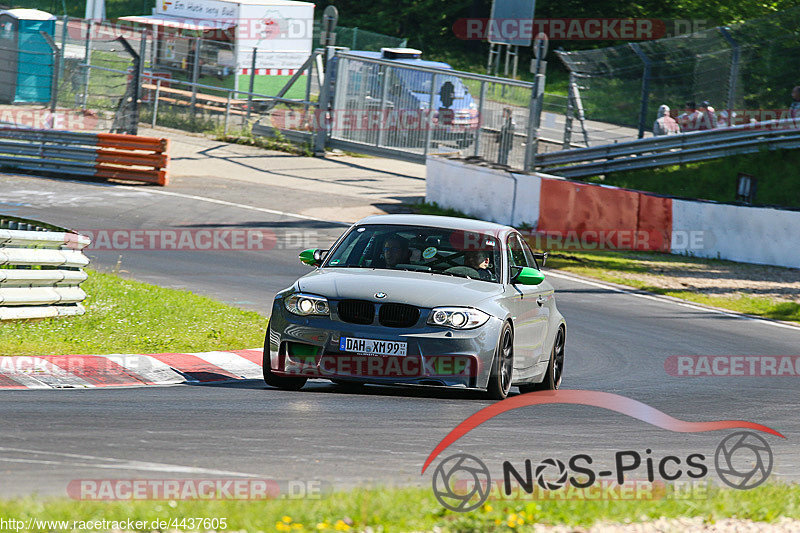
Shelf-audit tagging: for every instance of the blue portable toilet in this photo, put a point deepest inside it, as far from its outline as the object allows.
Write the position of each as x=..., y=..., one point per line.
x=26, y=60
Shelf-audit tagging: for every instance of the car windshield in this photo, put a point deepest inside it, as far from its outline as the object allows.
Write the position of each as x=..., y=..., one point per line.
x=443, y=251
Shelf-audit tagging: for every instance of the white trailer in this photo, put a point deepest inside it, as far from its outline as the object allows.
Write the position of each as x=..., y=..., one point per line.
x=280, y=30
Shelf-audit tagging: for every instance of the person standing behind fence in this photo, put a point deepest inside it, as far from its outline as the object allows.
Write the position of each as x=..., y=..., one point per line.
x=689, y=120
x=708, y=118
x=506, y=137
x=665, y=124
x=794, y=107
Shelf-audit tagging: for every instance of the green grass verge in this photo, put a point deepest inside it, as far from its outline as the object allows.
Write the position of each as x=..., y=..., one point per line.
x=125, y=316
x=608, y=266
x=415, y=509
x=776, y=172
x=612, y=265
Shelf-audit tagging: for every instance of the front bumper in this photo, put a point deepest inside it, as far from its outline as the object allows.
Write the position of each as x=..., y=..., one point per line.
x=309, y=347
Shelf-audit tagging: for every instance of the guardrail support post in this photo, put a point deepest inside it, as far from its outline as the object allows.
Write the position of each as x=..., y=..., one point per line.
x=734, y=72
x=569, y=115
x=480, y=119
x=227, y=114
x=155, y=102
x=252, y=83
x=534, y=118
x=381, y=123
x=323, y=123
x=195, y=75
x=87, y=57
x=132, y=126
x=429, y=129
x=645, y=87
x=54, y=77
x=64, y=28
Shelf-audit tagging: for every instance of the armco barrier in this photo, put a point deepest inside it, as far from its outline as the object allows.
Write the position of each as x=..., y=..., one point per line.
x=672, y=149
x=98, y=155
x=40, y=270
x=553, y=205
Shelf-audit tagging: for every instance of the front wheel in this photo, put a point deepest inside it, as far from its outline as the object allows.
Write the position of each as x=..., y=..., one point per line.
x=555, y=367
x=502, y=366
x=279, y=382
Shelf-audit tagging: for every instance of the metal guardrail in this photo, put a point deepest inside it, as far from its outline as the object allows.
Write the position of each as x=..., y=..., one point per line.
x=671, y=149
x=41, y=269
x=100, y=155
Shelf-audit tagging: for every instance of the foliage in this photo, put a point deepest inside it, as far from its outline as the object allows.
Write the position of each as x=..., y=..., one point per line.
x=415, y=509
x=165, y=320
x=776, y=172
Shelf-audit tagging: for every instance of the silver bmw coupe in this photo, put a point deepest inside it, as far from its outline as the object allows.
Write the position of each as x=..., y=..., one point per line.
x=420, y=300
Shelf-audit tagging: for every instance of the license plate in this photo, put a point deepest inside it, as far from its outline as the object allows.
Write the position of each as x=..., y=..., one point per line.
x=372, y=346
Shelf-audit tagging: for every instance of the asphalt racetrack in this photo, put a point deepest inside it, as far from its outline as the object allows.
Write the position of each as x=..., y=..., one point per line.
x=617, y=342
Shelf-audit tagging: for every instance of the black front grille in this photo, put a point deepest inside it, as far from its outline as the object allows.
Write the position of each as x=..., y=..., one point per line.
x=357, y=311
x=398, y=315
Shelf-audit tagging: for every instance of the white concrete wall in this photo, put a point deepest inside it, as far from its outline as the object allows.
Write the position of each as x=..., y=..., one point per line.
x=478, y=191
x=738, y=233
x=482, y=192
x=747, y=234
x=526, y=201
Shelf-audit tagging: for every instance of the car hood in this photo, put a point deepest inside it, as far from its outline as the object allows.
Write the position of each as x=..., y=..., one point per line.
x=415, y=288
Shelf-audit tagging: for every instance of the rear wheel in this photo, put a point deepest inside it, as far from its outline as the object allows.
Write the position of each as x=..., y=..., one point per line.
x=555, y=368
x=503, y=366
x=279, y=382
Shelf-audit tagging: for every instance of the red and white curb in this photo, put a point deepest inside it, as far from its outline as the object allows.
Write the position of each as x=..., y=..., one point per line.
x=127, y=370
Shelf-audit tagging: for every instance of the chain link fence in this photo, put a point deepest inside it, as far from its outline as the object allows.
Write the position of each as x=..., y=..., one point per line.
x=396, y=107
x=738, y=68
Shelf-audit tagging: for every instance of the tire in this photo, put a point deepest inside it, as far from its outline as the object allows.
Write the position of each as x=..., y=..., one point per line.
x=279, y=382
x=555, y=367
x=502, y=366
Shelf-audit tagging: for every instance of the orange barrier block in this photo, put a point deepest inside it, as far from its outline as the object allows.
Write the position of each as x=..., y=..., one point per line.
x=655, y=221
x=132, y=142
x=587, y=216
x=159, y=177
x=118, y=155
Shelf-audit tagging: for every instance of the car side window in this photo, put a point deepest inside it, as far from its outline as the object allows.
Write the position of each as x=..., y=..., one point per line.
x=528, y=253
x=516, y=253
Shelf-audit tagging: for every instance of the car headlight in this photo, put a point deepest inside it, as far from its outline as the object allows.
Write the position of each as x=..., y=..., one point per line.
x=307, y=304
x=457, y=317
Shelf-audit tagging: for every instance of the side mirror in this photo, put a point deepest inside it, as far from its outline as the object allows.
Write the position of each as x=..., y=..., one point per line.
x=541, y=258
x=312, y=256
x=528, y=276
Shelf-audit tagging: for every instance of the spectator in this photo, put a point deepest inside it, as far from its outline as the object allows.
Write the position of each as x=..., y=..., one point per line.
x=794, y=107
x=506, y=137
x=665, y=124
x=689, y=120
x=708, y=117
